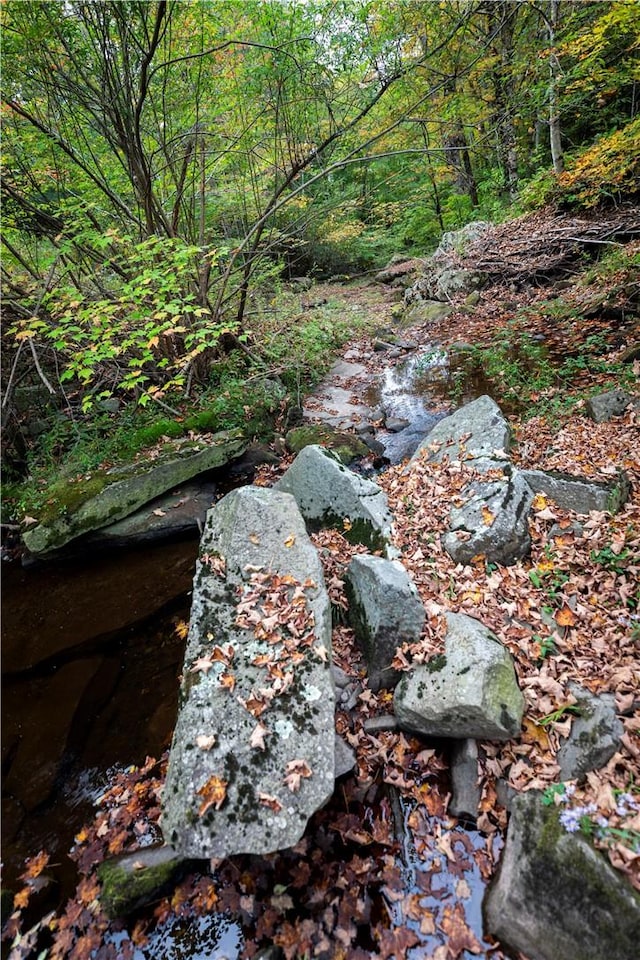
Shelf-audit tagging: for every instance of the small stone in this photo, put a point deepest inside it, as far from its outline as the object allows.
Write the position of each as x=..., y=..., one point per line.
x=135, y=879
x=396, y=424
x=595, y=734
x=465, y=798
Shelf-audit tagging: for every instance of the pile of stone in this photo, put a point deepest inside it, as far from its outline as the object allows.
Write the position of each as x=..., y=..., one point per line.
x=254, y=751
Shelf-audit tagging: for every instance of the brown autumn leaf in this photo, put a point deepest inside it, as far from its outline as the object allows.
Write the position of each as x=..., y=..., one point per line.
x=201, y=664
x=267, y=800
x=35, y=865
x=289, y=542
x=393, y=944
x=213, y=793
x=565, y=617
x=296, y=770
x=459, y=937
x=487, y=516
x=256, y=741
x=228, y=681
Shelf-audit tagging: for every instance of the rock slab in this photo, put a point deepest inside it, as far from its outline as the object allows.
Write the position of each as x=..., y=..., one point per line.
x=116, y=493
x=579, y=493
x=385, y=611
x=330, y=495
x=253, y=753
x=555, y=897
x=469, y=691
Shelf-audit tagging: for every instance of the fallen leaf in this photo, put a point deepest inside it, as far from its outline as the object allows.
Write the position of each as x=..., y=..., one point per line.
x=160, y=513
x=269, y=801
x=566, y=617
x=289, y=542
x=254, y=538
x=204, y=742
x=487, y=516
x=296, y=770
x=256, y=740
x=202, y=664
x=213, y=793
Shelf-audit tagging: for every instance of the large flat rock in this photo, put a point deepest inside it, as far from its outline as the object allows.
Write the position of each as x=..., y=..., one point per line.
x=253, y=753
x=113, y=494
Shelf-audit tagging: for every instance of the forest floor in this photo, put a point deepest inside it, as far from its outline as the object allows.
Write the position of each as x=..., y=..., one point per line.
x=571, y=612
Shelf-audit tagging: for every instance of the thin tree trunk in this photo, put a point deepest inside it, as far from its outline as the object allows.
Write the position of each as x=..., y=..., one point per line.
x=555, y=138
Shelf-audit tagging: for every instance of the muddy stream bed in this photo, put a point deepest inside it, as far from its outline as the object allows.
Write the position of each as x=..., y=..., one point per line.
x=91, y=659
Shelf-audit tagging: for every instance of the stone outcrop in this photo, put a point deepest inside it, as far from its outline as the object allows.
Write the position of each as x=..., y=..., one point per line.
x=442, y=277
x=253, y=753
x=477, y=431
x=595, y=734
x=555, y=897
x=492, y=521
x=604, y=406
x=113, y=494
x=469, y=691
x=579, y=493
x=175, y=514
x=330, y=495
x=385, y=611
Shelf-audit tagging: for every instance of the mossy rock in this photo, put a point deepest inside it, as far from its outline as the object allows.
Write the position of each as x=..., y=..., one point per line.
x=345, y=445
x=135, y=879
x=108, y=496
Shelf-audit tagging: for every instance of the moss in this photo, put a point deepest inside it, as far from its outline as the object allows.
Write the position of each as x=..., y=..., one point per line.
x=437, y=663
x=67, y=497
x=345, y=446
x=125, y=887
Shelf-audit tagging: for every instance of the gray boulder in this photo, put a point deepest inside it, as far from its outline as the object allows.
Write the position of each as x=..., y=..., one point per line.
x=555, y=897
x=384, y=611
x=110, y=495
x=492, y=521
x=478, y=430
x=253, y=752
x=470, y=691
x=595, y=734
x=578, y=493
x=465, y=791
x=330, y=495
x=604, y=406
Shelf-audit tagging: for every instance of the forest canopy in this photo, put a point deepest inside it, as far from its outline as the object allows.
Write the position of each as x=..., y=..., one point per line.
x=166, y=163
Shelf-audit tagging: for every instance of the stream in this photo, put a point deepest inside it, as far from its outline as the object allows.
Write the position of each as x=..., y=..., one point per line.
x=91, y=659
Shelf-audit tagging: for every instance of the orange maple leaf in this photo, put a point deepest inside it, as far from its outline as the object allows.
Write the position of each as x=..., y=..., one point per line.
x=213, y=793
x=566, y=617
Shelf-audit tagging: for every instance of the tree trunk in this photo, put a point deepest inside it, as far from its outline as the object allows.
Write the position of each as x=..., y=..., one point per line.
x=555, y=138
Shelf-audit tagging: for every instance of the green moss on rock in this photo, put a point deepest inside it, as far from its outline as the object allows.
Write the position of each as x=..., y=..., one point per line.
x=345, y=445
x=131, y=881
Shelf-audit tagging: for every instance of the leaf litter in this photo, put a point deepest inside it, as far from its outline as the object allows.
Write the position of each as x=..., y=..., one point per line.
x=382, y=870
